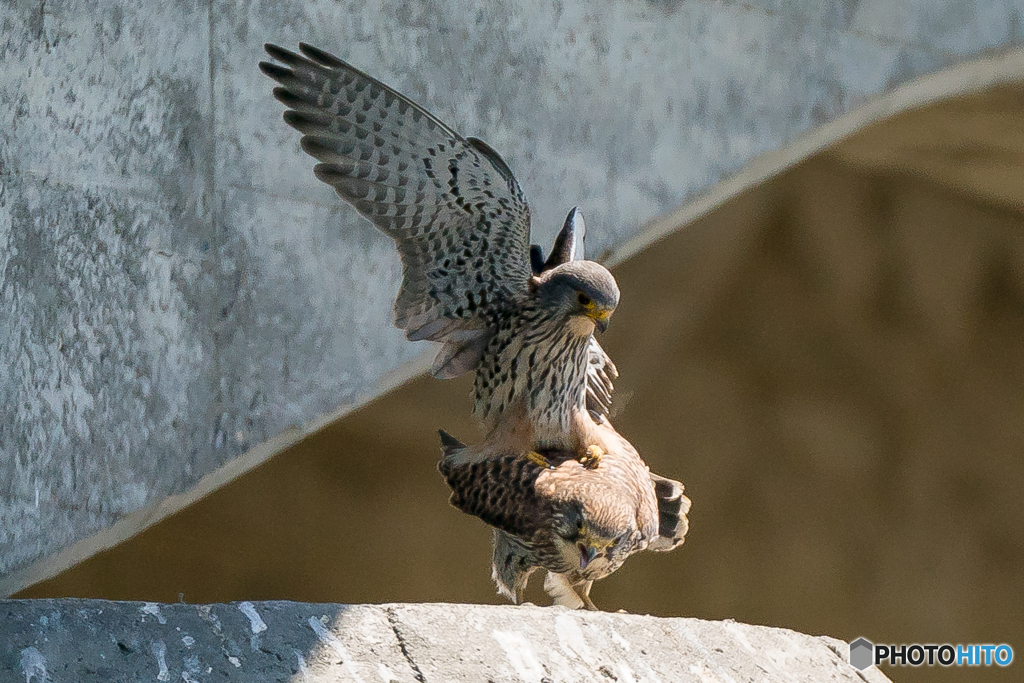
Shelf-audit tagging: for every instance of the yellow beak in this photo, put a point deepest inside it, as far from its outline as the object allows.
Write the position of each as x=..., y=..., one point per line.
x=600, y=318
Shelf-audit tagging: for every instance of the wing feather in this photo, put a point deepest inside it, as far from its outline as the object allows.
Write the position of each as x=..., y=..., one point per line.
x=499, y=490
x=455, y=211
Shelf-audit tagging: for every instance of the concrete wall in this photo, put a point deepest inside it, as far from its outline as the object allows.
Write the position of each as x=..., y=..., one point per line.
x=180, y=298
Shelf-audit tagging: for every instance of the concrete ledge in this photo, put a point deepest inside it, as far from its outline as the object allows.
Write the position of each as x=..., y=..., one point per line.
x=97, y=640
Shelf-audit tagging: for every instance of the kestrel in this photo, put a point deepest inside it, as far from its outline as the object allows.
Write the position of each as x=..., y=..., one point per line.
x=578, y=518
x=525, y=325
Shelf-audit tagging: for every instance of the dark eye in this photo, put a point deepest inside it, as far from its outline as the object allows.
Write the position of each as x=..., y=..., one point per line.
x=583, y=299
x=579, y=525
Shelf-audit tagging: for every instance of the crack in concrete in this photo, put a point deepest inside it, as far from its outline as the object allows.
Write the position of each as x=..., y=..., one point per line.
x=393, y=621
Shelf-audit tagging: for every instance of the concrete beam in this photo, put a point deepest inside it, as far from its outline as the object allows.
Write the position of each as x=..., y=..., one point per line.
x=96, y=640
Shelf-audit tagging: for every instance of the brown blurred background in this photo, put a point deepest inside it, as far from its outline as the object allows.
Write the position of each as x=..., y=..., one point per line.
x=832, y=362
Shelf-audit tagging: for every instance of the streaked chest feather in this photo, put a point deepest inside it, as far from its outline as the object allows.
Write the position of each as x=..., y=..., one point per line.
x=541, y=363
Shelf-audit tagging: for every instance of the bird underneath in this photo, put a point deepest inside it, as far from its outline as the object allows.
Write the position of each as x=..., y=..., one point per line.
x=579, y=521
x=523, y=324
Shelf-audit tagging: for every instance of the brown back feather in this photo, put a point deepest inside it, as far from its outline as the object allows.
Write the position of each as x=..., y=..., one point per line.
x=500, y=491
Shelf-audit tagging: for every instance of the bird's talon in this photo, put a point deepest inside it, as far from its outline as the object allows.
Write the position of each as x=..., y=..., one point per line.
x=592, y=458
x=538, y=459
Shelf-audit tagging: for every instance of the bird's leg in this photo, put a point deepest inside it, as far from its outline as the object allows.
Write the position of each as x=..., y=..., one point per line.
x=562, y=591
x=583, y=590
x=591, y=458
x=538, y=460
x=569, y=594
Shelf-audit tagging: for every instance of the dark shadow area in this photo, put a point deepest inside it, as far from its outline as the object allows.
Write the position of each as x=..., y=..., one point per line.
x=833, y=363
x=96, y=642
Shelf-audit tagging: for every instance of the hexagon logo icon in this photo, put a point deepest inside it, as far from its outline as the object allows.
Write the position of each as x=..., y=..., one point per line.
x=862, y=654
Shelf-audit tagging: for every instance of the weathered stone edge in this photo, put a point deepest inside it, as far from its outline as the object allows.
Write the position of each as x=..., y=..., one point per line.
x=86, y=640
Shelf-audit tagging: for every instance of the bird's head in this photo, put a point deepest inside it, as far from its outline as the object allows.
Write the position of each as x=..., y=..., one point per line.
x=580, y=290
x=583, y=539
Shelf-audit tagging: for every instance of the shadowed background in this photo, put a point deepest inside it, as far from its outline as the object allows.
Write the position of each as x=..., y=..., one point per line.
x=832, y=363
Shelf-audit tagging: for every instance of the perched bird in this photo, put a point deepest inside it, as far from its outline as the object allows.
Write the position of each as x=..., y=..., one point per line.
x=578, y=518
x=472, y=282
x=552, y=512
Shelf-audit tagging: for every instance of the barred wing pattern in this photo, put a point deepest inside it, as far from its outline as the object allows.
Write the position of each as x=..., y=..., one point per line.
x=501, y=491
x=456, y=213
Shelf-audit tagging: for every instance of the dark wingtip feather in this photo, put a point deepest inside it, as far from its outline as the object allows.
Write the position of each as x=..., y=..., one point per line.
x=666, y=489
x=320, y=147
x=282, y=55
x=329, y=173
x=321, y=57
x=276, y=71
x=287, y=97
x=307, y=122
x=569, y=241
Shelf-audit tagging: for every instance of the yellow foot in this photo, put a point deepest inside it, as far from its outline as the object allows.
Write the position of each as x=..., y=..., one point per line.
x=592, y=458
x=538, y=459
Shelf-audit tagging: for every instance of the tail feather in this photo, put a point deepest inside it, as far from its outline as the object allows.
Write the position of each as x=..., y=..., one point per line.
x=449, y=444
x=672, y=509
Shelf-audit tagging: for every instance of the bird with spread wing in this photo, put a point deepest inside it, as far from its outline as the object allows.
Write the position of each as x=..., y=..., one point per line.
x=563, y=490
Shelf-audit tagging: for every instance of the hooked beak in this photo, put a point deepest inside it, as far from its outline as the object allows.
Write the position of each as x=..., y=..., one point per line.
x=601, y=319
x=587, y=555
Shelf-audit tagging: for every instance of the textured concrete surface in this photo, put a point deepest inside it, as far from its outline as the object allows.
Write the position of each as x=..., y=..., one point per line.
x=177, y=291
x=96, y=640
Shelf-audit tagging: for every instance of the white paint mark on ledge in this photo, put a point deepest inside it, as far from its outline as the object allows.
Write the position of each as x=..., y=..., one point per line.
x=301, y=661
x=255, y=620
x=520, y=654
x=153, y=609
x=736, y=631
x=618, y=639
x=33, y=664
x=160, y=652
x=571, y=640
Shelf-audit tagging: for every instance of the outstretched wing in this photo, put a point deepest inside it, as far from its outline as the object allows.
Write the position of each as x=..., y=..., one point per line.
x=456, y=213
x=601, y=371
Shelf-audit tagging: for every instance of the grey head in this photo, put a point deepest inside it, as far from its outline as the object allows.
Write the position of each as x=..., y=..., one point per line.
x=565, y=283
x=581, y=289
